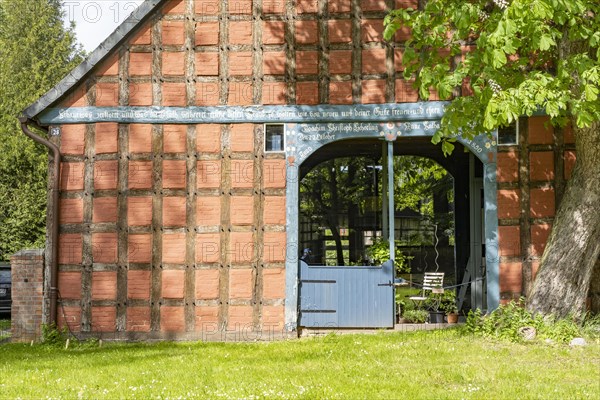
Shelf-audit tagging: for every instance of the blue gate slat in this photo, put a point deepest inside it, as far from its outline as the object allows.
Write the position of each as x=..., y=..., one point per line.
x=371, y=293
x=360, y=298
x=372, y=306
x=320, y=296
x=347, y=300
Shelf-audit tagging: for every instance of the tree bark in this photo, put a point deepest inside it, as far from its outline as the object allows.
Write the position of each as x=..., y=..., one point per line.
x=352, y=213
x=332, y=222
x=354, y=248
x=563, y=280
x=333, y=216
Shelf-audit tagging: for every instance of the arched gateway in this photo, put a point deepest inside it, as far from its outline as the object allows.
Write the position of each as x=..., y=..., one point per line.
x=303, y=140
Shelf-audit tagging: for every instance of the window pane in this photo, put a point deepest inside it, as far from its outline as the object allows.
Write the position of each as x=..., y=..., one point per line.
x=274, y=138
x=508, y=135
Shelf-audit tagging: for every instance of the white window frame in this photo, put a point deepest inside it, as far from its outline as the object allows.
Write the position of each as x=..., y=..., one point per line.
x=517, y=123
x=265, y=138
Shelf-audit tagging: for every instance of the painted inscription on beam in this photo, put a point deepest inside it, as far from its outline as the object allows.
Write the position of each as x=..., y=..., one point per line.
x=304, y=139
x=423, y=111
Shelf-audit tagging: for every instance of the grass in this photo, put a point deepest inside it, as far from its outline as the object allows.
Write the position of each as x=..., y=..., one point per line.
x=439, y=364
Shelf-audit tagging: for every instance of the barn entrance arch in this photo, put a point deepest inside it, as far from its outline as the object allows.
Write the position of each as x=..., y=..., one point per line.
x=315, y=295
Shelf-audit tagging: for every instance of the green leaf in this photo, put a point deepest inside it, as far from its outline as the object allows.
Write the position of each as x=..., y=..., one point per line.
x=546, y=42
x=499, y=58
x=510, y=27
x=595, y=39
x=424, y=92
x=489, y=121
x=591, y=92
x=409, y=56
x=390, y=30
x=584, y=119
x=447, y=148
x=552, y=109
x=510, y=47
x=541, y=10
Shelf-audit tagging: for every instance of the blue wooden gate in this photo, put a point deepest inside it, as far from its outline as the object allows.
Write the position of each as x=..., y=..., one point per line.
x=346, y=297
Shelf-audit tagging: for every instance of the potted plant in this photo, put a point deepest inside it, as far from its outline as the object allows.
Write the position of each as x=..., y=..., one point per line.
x=448, y=305
x=433, y=303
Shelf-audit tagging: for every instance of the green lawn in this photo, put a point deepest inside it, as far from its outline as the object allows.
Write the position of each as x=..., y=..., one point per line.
x=434, y=365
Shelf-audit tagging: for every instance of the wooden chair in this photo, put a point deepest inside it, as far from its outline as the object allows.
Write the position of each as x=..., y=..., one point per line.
x=433, y=282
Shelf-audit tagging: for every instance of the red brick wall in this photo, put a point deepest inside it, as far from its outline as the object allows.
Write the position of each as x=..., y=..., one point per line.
x=250, y=59
x=27, y=272
x=173, y=247
x=531, y=179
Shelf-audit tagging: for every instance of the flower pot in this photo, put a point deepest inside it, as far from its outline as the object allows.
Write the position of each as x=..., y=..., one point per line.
x=436, y=317
x=452, y=318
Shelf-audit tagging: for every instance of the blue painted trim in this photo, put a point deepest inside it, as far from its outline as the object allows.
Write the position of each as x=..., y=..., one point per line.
x=404, y=112
x=391, y=201
x=292, y=250
x=347, y=267
x=423, y=111
x=492, y=257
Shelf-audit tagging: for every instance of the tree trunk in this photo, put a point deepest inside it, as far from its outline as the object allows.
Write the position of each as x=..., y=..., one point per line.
x=354, y=250
x=352, y=212
x=331, y=221
x=333, y=215
x=562, y=283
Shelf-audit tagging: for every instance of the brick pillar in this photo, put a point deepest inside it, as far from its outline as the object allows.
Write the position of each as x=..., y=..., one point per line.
x=27, y=270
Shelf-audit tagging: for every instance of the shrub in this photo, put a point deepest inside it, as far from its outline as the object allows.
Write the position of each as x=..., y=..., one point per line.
x=591, y=326
x=53, y=336
x=507, y=322
x=415, y=316
x=380, y=253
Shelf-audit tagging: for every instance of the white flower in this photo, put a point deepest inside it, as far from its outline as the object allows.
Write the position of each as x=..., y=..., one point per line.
x=501, y=3
x=495, y=87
